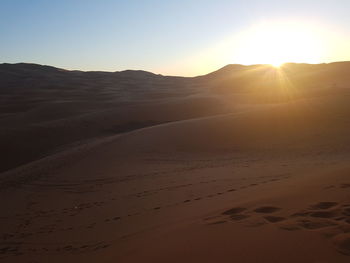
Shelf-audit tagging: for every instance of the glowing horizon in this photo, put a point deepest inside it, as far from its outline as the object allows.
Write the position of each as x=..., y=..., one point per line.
x=275, y=43
x=180, y=38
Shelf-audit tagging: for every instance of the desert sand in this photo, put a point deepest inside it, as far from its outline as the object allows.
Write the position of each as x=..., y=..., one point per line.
x=234, y=166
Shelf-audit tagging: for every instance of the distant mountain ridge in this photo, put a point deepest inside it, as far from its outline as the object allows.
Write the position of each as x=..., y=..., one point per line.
x=32, y=68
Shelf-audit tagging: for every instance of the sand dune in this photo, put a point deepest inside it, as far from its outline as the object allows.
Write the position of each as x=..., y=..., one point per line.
x=59, y=108
x=249, y=182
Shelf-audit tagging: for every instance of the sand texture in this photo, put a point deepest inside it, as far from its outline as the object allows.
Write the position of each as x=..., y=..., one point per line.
x=136, y=167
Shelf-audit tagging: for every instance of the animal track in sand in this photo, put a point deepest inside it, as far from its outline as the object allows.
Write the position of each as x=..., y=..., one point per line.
x=146, y=193
x=156, y=191
x=18, y=249
x=63, y=215
x=26, y=219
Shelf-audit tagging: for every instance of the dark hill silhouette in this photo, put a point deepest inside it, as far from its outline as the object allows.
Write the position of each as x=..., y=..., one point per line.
x=46, y=109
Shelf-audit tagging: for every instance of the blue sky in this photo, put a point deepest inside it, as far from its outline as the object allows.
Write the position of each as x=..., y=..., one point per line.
x=153, y=35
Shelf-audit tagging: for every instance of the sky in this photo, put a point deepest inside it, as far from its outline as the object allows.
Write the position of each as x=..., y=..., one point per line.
x=183, y=37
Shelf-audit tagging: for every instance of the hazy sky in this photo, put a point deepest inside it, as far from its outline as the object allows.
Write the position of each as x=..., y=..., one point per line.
x=182, y=37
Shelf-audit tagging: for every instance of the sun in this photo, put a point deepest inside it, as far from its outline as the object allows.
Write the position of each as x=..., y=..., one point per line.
x=277, y=64
x=278, y=43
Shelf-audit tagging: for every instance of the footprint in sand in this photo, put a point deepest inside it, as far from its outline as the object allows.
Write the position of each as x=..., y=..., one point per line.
x=324, y=205
x=239, y=217
x=309, y=224
x=324, y=214
x=274, y=219
x=342, y=243
x=234, y=210
x=267, y=209
x=236, y=213
x=217, y=222
x=240, y=213
x=330, y=218
x=346, y=211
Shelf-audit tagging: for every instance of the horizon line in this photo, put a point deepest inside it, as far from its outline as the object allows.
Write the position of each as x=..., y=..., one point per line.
x=159, y=74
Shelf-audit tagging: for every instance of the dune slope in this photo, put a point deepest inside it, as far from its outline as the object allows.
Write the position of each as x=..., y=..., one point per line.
x=252, y=186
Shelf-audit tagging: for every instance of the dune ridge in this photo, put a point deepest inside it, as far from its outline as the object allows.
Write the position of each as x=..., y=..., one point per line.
x=224, y=171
